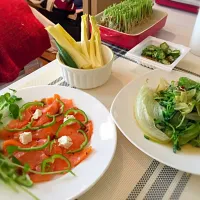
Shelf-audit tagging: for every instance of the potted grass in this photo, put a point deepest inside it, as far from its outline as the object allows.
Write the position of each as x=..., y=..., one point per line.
x=126, y=24
x=126, y=15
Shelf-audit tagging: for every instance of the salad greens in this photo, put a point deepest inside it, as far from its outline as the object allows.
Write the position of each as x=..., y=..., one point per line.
x=162, y=53
x=171, y=112
x=15, y=175
x=8, y=102
x=147, y=109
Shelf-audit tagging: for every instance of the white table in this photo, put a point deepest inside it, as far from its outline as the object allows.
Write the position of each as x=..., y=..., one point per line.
x=132, y=170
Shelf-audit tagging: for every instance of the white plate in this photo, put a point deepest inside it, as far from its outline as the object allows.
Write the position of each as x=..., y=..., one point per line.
x=122, y=110
x=135, y=53
x=90, y=170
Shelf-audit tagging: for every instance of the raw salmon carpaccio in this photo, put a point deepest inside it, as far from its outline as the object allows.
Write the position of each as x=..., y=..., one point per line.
x=35, y=158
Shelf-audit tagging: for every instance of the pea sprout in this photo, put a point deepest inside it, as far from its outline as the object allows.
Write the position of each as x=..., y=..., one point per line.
x=125, y=16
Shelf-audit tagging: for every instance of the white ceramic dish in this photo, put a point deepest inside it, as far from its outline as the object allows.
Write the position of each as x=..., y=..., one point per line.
x=88, y=78
x=68, y=187
x=122, y=111
x=135, y=53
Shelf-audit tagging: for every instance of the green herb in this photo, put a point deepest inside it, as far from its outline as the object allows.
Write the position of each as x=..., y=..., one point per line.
x=9, y=101
x=33, y=171
x=14, y=110
x=9, y=174
x=188, y=84
x=189, y=134
x=26, y=168
x=175, y=140
x=15, y=160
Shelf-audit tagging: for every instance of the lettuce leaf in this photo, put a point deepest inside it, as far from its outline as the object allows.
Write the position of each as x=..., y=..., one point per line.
x=146, y=111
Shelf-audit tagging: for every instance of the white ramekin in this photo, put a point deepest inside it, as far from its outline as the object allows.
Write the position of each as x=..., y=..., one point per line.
x=88, y=78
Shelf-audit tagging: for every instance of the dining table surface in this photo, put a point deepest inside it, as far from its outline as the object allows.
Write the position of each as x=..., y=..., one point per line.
x=133, y=174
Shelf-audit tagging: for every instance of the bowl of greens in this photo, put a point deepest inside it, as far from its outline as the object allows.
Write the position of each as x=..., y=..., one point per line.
x=156, y=53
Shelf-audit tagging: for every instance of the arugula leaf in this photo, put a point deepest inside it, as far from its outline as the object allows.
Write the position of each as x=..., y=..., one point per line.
x=187, y=83
x=14, y=110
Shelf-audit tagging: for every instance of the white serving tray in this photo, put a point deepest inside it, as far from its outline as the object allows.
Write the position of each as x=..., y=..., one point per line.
x=135, y=53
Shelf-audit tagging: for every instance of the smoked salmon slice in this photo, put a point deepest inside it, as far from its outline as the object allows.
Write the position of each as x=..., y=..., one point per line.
x=39, y=137
x=37, y=178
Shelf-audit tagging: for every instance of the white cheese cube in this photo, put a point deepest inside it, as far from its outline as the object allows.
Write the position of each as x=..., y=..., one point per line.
x=37, y=114
x=25, y=137
x=65, y=141
x=68, y=117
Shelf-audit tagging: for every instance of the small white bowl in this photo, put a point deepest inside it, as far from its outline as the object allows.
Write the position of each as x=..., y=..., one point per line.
x=88, y=78
x=135, y=53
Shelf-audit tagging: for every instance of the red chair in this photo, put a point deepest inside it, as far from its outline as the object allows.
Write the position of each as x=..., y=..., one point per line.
x=23, y=38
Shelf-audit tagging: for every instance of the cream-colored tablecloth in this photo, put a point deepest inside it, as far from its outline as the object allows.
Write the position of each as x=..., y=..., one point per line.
x=132, y=174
